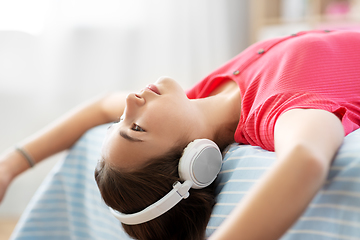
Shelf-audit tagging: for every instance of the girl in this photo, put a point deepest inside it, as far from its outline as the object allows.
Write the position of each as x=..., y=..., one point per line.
x=296, y=95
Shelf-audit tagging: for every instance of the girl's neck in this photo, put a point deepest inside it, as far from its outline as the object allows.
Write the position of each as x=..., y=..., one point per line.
x=220, y=113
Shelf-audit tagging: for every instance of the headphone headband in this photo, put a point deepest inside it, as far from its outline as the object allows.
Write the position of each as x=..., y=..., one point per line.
x=179, y=192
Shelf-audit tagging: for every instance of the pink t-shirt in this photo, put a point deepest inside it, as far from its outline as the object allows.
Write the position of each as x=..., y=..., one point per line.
x=313, y=70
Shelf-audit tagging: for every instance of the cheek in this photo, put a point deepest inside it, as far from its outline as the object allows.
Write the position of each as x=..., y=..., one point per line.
x=174, y=111
x=164, y=118
x=176, y=120
x=167, y=115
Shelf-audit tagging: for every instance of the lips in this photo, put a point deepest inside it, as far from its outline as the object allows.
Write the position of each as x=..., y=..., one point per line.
x=153, y=88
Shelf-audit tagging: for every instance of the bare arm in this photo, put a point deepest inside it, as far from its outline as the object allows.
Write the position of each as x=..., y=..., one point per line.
x=306, y=141
x=61, y=134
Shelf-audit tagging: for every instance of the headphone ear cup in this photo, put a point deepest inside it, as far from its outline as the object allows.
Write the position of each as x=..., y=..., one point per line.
x=200, y=163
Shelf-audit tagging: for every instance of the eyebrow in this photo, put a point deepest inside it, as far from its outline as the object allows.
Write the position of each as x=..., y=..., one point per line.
x=127, y=137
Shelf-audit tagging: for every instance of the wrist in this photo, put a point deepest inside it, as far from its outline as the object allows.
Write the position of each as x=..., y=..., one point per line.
x=25, y=155
x=13, y=163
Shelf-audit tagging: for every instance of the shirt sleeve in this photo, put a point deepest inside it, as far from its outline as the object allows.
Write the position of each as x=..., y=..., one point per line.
x=258, y=127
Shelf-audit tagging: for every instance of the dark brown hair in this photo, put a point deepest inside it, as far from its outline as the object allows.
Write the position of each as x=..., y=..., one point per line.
x=130, y=192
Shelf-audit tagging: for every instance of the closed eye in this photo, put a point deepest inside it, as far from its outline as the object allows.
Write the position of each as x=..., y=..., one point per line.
x=137, y=128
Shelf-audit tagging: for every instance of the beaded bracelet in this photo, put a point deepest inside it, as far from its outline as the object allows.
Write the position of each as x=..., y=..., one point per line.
x=26, y=155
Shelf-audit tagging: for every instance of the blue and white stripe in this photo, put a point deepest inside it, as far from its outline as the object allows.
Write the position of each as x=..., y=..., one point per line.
x=333, y=214
x=68, y=204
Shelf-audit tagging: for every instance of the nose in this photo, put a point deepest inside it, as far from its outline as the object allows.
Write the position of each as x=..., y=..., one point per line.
x=134, y=99
x=133, y=102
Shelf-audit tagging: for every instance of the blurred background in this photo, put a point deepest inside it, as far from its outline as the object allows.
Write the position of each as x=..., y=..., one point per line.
x=54, y=54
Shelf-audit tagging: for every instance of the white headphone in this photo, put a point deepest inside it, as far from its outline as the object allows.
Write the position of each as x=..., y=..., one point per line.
x=198, y=167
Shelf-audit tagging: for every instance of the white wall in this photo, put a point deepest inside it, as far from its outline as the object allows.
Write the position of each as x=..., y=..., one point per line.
x=89, y=47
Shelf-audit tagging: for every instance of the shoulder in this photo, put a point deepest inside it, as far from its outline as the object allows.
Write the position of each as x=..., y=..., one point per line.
x=319, y=41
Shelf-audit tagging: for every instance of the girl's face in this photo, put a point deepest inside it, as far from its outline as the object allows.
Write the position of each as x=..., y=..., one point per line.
x=154, y=121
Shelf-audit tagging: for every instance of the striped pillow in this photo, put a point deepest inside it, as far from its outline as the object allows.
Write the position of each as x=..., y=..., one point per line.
x=333, y=214
x=68, y=204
